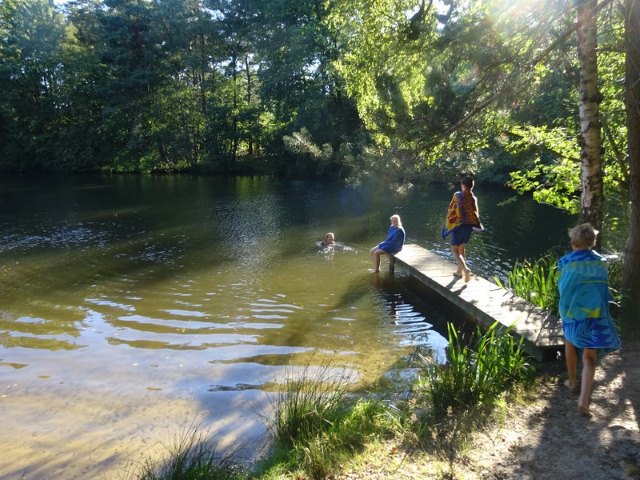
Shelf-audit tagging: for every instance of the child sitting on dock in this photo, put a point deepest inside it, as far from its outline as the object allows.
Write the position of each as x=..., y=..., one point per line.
x=584, y=308
x=392, y=244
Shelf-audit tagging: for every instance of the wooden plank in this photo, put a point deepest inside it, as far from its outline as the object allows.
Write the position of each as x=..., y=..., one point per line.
x=481, y=300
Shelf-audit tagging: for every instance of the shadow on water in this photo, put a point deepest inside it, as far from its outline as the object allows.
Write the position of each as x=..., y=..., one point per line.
x=209, y=289
x=109, y=238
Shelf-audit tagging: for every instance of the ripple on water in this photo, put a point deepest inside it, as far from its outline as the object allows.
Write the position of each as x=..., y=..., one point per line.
x=413, y=328
x=59, y=236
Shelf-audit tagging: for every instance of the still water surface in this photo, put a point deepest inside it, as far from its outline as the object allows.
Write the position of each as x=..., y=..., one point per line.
x=197, y=286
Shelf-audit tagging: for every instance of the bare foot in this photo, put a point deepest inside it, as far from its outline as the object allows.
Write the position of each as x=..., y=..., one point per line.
x=457, y=275
x=584, y=411
x=583, y=408
x=572, y=388
x=467, y=276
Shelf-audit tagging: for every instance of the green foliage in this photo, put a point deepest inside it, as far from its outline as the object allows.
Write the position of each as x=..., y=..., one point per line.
x=316, y=425
x=477, y=372
x=392, y=89
x=307, y=403
x=554, y=176
x=30, y=81
x=536, y=282
x=615, y=267
x=168, y=86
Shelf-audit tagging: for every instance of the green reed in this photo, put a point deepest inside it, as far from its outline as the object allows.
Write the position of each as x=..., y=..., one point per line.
x=536, y=282
x=317, y=423
x=307, y=404
x=477, y=372
x=192, y=456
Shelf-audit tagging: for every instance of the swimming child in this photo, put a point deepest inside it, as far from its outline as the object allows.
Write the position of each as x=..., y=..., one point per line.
x=329, y=240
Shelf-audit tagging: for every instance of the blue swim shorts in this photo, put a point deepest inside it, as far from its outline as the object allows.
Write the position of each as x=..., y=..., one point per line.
x=461, y=234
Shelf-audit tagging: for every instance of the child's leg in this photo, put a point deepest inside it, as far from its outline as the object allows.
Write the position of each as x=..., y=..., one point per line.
x=375, y=254
x=462, y=266
x=463, y=257
x=571, y=359
x=462, y=263
x=588, y=372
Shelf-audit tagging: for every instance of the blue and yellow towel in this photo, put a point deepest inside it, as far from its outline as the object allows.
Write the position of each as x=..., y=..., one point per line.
x=584, y=301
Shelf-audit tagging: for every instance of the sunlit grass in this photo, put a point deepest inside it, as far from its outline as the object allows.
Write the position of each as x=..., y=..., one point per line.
x=536, y=282
x=453, y=401
x=192, y=456
x=319, y=425
x=477, y=372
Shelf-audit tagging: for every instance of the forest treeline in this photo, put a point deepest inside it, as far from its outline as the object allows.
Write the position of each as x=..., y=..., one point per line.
x=173, y=85
x=395, y=88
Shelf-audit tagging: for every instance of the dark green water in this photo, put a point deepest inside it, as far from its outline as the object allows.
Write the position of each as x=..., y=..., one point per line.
x=118, y=292
x=225, y=270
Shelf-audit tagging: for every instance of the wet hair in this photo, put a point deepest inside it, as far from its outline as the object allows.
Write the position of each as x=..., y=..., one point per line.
x=467, y=182
x=583, y=236
x=397, y=217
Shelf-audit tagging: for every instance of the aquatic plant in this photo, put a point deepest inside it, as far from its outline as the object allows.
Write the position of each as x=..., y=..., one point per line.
x=477, y=372
x=317, y=423
x=536, y=282
x=306, y=401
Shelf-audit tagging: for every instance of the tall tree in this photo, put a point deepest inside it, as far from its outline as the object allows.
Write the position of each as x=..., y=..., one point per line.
x=590, y=127
x=631, y=274
x=30, y=80
x=238, y=20
x=80, y=146
x=133, y=55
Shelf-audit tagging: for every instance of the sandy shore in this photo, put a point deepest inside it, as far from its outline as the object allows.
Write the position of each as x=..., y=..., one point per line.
x=57, y=430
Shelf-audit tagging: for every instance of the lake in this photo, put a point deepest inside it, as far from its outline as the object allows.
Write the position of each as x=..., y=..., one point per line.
x=133, y=307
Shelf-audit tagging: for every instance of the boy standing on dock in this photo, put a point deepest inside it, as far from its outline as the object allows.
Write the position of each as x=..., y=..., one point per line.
x=462, y=218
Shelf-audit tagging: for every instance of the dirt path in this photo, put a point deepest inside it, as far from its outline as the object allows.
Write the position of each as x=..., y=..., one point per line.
x=548, y=439
x=543, y=439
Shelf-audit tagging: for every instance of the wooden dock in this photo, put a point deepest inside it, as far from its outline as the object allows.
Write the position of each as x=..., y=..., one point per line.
x=481, y=300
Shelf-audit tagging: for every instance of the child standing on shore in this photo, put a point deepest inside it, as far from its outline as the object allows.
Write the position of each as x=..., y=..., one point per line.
x=584, y=308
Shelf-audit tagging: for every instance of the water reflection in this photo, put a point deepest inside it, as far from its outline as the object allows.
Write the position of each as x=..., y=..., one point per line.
x=412, y=325
x=213, y=268
x=141, y=300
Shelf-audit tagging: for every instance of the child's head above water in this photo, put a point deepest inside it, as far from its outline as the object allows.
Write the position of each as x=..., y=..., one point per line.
x=329, y=238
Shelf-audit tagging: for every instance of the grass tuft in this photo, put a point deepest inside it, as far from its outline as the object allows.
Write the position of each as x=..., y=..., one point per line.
x=308, y=403
x=452, y=401
x=317, y=424
x=191, y=457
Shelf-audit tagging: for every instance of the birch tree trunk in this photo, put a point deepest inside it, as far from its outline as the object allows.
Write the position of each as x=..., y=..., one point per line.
x=590, y=139
x=631, y=273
